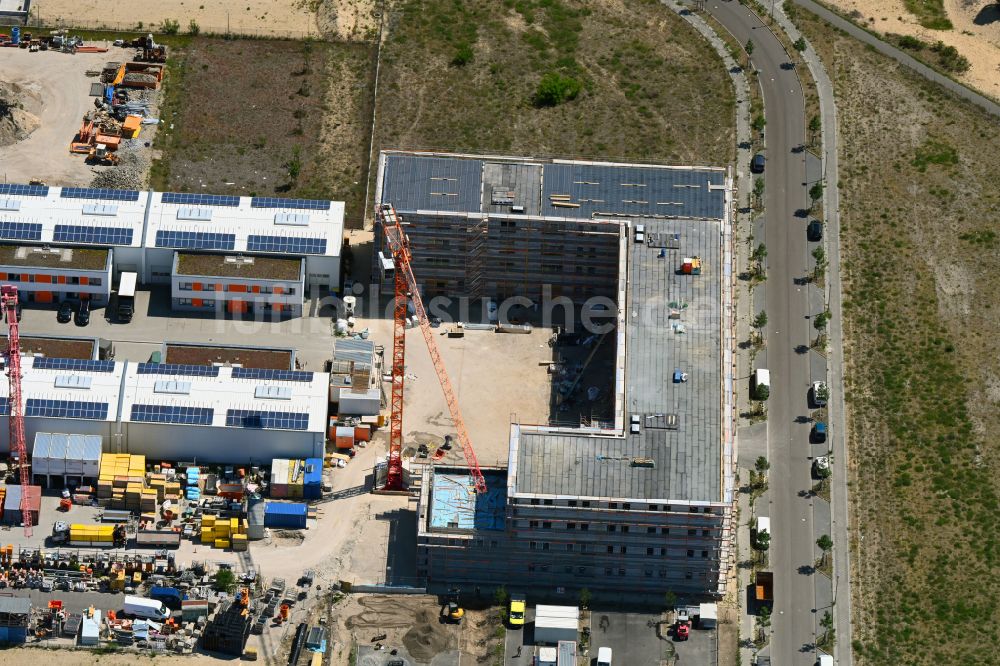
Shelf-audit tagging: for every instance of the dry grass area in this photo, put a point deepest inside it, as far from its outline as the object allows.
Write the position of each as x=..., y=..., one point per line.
x=922, y=296
x=274, y=117
x=463, y=75
x=970, y=26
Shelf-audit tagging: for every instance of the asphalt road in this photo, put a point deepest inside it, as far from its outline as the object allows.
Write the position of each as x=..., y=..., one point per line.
x=787, y=307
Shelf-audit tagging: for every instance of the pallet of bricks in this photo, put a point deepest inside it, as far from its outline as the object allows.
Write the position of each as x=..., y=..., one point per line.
x=120, y=481
x=224, y=532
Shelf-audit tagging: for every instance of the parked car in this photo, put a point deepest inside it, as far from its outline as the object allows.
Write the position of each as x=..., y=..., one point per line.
x=82, y=317
x=821, y=467
x=819, y=394
x=65, y=312
x=818, y=433
x=757, y=164
x=814, y=231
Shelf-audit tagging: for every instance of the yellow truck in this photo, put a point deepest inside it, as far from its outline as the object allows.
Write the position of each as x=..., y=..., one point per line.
x=517, y=608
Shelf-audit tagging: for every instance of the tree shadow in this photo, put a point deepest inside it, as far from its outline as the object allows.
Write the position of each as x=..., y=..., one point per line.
x=802, y=212
x=802, y=349
x=808, y=647
x=806, y=493
x=807, y=570
x=988, y=14
x=787, y=66
x=803, y=281
x=803, y=419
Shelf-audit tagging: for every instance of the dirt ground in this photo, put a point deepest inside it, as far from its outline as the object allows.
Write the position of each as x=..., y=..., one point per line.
x=285, y=18
x=921, y=267
x=59, y=80
x=976, y=34
x=651, y=89
x=228, y=129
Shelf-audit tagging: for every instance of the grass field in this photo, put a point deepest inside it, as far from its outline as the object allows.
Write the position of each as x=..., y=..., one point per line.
x=634, y=81
x=268, y=117
x=930, y=13
x=922, y=305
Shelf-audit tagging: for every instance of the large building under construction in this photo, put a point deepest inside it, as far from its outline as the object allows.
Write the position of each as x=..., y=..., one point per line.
x=643, y=504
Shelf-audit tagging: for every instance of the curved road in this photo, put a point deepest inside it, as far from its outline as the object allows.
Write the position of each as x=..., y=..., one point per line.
x=795, y=617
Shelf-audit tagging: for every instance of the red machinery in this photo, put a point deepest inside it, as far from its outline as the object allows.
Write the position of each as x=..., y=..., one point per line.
x=406, y=287
x=8, y=299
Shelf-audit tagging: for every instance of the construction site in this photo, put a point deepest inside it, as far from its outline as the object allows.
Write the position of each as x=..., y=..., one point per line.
x=523, y=381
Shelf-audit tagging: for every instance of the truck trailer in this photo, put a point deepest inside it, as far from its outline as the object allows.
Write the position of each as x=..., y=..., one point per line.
x=157, y=539
x=126, y=296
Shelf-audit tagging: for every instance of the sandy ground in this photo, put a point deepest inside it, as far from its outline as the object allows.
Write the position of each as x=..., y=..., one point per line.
x=348, y=19
x=291, y=18
x=980, y=43
x=21, y=656
x=59, y=80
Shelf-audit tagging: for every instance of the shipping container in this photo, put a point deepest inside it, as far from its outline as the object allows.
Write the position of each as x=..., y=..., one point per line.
x=285, y=514
x=158, y=539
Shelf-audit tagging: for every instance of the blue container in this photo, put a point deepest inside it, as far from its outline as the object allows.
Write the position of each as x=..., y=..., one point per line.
x=313, y=481
x=285, y=514
x=13, y=634
x=15, y=35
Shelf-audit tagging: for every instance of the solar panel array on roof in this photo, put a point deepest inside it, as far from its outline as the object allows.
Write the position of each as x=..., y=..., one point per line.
x=66, y=409
x=24, y=190
x=289, y=245
x=172, y=414
x=178, y=369
x=21, y=231
x=77, y=364
x=73, y=233
x=4, y=406
x=98, y=193
x=199, y=199
x=277, y=202
x=276, y=375
x=195, y=240
x=249, y=418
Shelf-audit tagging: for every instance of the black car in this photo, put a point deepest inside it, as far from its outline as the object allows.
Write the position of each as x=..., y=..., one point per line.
x=757, y=164
x=82, y=317
x=65, y=312
x=814, y=231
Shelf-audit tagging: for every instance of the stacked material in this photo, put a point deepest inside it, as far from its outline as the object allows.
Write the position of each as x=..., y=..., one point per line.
x=147, y=500
x=158, y=484
x=288, y=478
x=101, y=536
x=193, y=490
x=224, y=532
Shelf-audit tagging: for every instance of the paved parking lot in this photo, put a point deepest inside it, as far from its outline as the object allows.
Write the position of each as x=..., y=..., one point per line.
x=638, y=638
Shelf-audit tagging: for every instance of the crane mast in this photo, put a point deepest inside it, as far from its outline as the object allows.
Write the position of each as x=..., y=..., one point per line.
x=406, y=287
x=8, y=300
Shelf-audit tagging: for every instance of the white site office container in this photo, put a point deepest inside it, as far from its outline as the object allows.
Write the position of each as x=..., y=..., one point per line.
x=57, y=455
x=74, y=455
x=40, y=454
x=556, y=623
x=90, y=631
x=547, y=657
x=92, y=445
x=708, y=616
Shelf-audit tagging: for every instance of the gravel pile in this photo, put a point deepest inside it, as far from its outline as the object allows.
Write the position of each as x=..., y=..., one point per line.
x=136, y=77
x=130, y=172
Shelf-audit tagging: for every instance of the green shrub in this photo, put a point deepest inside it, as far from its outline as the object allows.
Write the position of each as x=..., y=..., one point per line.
x=555, y=88
x=912, y=43
x=170, y=27
x=463, y=56
x=194, y=28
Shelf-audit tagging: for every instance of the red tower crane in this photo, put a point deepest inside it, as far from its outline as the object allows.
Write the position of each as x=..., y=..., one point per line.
x=8, y=300
x=406, y=287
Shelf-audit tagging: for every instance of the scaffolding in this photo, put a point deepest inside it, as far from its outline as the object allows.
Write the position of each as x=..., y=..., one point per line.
x=476, y=251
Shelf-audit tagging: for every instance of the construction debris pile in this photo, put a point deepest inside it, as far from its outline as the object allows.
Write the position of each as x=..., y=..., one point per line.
x=15, y=122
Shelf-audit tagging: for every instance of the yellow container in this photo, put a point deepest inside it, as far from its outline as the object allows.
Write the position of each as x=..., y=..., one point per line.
x=222, y=543
x=207, y=535
x=208, y=520
x=234, y=525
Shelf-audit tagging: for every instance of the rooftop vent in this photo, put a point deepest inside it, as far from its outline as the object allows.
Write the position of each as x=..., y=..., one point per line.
x=73, y=381
x=10, y=204
x=172, y=386
x=107, y=209
x=273, y=392
x=194, y=214
x=239, y=259
x=291, y=219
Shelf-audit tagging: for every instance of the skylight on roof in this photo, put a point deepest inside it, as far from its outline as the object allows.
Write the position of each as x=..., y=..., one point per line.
x=73, y=381
x=172, y=386
x=273, y=392
x=292, y=219
x=100, y=209
x=194, y=214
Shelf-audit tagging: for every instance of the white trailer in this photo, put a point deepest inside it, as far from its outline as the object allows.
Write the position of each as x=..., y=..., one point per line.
x=556, y=623
x=151, y=609
x=708, y=616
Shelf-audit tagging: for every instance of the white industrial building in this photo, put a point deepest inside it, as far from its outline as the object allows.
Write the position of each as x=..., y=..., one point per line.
x=143, y=231
x=199, y=413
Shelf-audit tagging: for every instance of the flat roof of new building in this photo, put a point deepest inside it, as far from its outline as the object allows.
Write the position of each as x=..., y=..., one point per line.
x=677, y=454
x=456, y=505
x=172, y=220
x=63, y=258
x=245, y=266
x=438, y=182
x=225, y=397
x=248, y=357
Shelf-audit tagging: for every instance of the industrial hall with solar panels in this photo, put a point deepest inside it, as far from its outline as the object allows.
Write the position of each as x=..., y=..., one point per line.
x=242, y=255
x=212, y=414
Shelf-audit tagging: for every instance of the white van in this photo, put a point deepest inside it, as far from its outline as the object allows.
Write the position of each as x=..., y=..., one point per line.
x=825, y=660
x=761, y=377
x=763, y=524
x=604, y=656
